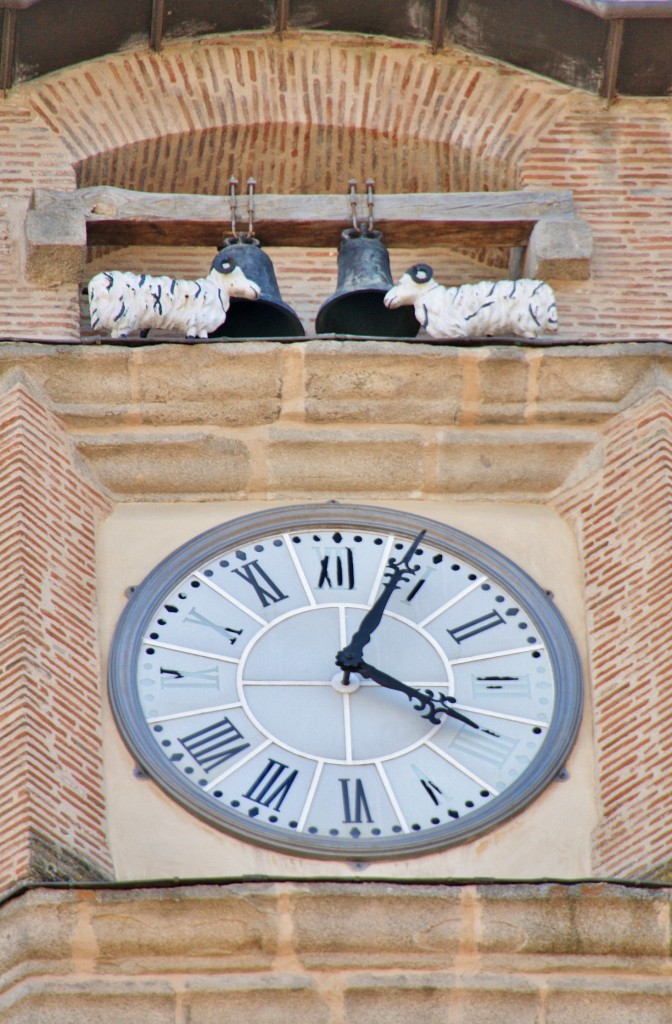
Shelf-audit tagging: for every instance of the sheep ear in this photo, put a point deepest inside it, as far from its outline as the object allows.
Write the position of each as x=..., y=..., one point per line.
x=225, y=266
x=421, y=273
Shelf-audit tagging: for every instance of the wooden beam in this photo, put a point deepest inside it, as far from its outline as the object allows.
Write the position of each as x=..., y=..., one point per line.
x=119, y=217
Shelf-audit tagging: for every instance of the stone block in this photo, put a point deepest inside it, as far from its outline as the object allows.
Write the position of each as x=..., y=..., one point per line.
x=369, y=925
x=593, y=383
x=579, y=920
x=55, y=247
x=234, y=384
x=515, y=462
x=158, y=931
x=334, y=462
x=559, y=247
x=499, y=390
x=165, y=465
x=435, y=998
x=45, y=1001
x=376, y=382
x=265, y=999
x=608, y=1000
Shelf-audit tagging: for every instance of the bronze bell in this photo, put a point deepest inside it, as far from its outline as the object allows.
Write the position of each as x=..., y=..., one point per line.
x=364, y=276
x=266, y=317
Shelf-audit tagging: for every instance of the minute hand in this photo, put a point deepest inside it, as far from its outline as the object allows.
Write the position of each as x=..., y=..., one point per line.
x=434, y=703
x=351, y=655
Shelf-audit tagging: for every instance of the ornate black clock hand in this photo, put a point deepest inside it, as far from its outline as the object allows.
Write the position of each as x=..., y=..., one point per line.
x=399, y=571
x=434, y=703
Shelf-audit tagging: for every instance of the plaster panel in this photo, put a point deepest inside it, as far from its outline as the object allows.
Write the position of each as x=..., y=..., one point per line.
x=152, y=837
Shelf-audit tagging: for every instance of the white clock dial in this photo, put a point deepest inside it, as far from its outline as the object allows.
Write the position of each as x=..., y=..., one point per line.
x=457, y=698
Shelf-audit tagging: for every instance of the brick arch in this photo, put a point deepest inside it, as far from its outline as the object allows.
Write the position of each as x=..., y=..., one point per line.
x=447, y=121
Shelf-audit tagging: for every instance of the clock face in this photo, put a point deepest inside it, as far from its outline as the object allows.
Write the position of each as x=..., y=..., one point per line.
x=457, y=699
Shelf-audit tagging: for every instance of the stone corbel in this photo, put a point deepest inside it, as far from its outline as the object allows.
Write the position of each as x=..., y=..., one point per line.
x=55, y=246
x=559, y=247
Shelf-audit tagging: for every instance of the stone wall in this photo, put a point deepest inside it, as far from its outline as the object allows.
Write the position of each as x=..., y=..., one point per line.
x=322, y=953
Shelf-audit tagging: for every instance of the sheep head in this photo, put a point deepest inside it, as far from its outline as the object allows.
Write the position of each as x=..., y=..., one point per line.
x=411, y=286
x=230, y=277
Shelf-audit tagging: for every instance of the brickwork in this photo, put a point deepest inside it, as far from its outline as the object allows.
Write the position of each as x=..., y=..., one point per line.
x=623, y=520
x=337, y=954
x=618, y=163
x=52, y=817
x=306, y=112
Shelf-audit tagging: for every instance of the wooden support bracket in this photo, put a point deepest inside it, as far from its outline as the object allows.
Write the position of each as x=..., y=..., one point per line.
x=424, y=221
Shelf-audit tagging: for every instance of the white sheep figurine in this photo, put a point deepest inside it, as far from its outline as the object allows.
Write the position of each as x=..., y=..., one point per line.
x=125, y=303
x=525, y=307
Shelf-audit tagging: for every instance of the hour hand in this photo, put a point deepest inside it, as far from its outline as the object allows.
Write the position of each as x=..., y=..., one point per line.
x=428, y=701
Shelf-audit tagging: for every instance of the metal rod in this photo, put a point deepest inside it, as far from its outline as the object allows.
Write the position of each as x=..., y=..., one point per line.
x=282, y=16
x=370, y=186
x=352, y=186
x=439, y=26
x=251, y=188
x=156, y=30
x=7, y=50
x=233, y=185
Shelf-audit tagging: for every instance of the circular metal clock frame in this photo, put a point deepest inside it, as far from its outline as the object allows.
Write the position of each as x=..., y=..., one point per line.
x=248, y=529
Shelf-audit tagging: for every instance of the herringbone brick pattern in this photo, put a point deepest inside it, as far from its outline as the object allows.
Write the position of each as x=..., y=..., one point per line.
x=51, y=778
x=624, y=520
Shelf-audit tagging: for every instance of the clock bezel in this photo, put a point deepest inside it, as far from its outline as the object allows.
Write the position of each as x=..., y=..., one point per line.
x=250, y=528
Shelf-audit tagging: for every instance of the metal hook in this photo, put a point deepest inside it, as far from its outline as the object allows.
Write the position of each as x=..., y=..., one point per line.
x=251, y=188
x=233, y=185
x=370, y=186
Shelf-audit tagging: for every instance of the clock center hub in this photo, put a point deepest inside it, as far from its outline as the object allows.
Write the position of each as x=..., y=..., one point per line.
x=344, y=682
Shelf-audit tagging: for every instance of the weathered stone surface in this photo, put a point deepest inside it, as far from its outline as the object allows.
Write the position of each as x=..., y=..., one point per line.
x=608, y=1001
x=330, y=462
x=369, y=925
x=574, y=920
x=216, y=384
x=390, y=382
x=55, y=247
x=329, y=953
x=472, y=998
x=559, y=248
x=512, y=462
x=147, y=466
x=268, y=999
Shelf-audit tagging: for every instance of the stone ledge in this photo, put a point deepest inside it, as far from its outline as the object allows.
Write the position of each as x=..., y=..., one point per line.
x=327, y=952
x=268, y=420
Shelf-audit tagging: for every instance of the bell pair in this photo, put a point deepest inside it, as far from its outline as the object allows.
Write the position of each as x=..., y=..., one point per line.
x=356, y=307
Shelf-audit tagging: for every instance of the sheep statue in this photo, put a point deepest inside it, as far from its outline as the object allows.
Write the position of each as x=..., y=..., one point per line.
x=525, y=308
x=125, y=303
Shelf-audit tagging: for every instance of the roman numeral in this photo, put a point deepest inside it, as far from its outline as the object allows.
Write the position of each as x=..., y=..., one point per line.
x=207, y=677
x=214, y=744
x=226, y=631
x=508, y=686
x=361, y=806
x=266, y=590
x=271, y=787
x=475, y=626
x=431, y=789
x=337, y=568
x=488, y=746
x=419, y=584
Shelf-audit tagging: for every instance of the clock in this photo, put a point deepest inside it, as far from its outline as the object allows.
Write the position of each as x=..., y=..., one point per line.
x=343, y=681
